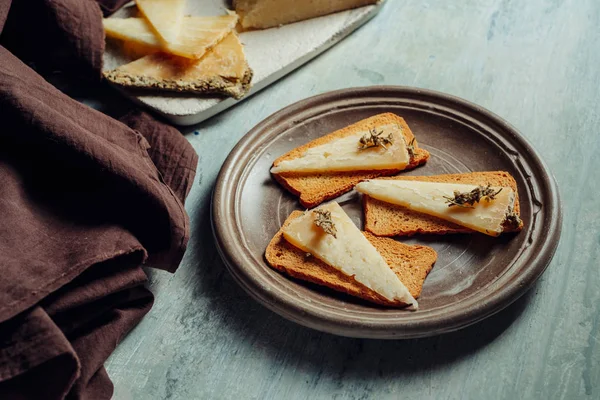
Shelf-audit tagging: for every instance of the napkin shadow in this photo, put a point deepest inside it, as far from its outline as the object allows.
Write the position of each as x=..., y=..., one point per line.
x=326, y=356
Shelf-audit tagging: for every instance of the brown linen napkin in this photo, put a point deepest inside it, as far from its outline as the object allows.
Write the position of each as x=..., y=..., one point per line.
x=84, y=201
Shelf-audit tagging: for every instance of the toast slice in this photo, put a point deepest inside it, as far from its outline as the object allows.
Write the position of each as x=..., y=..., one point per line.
x=313, y=189
x=411, y=263
x=385, y=219
x=223, y=70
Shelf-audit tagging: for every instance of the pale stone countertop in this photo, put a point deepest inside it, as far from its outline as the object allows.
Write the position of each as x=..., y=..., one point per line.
x=534, y=62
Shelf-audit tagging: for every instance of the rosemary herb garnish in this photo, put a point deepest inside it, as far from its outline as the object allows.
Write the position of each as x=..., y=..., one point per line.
x=411, y=148
x=468, y=199
x=323, y=221
x=374, y=139
x=512, y=220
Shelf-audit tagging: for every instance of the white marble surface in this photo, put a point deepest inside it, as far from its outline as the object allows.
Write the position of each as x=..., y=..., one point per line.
x=533, y=62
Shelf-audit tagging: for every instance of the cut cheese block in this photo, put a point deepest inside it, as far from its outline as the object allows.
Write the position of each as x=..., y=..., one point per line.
x=223, y=70
x=348, y=251
x=198, y=34
x=345, y=154
x=409, y=197
x=315, y=188
x=165, y=16
x=262, y=14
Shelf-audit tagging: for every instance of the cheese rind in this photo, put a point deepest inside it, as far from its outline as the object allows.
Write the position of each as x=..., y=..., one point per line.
x=349, y=252
x=165, y=16
x=262, y=14
x=486, y=216
x=344, y=154
x=198, y=34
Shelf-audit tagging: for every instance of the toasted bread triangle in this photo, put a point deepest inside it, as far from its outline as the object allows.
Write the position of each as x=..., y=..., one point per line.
x=313, y=189
x=411, y=263
x=385, y=219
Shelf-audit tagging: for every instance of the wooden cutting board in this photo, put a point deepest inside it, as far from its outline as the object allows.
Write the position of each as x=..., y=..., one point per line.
x=272, y=53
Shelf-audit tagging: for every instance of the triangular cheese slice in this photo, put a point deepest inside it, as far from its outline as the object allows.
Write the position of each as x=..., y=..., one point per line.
x=197, y=36
x=345, y=154
x=487, y=216
x=349, y=252
x=165, y=16
x=223, y=70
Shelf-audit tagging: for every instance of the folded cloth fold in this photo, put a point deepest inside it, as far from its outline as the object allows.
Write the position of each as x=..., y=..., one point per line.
x=85, y=200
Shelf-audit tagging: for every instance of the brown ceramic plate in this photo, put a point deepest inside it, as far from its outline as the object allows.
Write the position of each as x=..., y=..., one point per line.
x=475, y=275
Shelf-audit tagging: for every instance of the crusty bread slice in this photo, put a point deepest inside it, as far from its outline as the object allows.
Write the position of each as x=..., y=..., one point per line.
x=410, y=263
x=314, y=189
x=385, y=219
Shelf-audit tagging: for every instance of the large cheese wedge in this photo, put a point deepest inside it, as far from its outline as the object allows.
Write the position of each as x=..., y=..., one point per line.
x=345, y=154
x=223, y=70
x=487, y=216
x=198, y=34
x=268, y=13
x=349, y=252
x=165, y=16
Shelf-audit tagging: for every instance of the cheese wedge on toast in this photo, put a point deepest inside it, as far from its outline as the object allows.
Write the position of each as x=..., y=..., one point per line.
x=313, y=188
x=378, y=270
x=383, y=218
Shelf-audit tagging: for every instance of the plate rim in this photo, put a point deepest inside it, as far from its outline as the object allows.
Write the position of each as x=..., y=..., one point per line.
x=500, y=298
